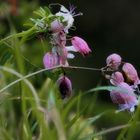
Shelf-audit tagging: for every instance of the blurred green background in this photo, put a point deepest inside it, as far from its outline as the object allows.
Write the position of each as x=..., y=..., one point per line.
x=108, y=26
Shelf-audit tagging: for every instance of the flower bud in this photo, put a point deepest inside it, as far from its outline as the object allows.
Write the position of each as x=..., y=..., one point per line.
x=116, y=78
x=124, y=96
x=80, y=45
x=50, y=60
x=113, y=61
x=130, y=73
x=56, y=26
x=65, y=86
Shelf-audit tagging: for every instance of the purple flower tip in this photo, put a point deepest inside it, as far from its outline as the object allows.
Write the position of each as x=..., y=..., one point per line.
x=65, y=86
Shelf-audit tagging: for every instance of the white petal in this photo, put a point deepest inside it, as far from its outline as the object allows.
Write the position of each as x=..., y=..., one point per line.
x=70, y=56
x=71, y=48
x=54, y=49
x=64, y=9
x=132, y=109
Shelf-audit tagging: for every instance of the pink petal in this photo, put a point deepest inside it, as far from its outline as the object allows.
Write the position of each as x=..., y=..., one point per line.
x=113, y=61
x=125, y=96
x=130, y=73
x=56, y=26
x=116, y=78
x=80, y=45
x=50, y=60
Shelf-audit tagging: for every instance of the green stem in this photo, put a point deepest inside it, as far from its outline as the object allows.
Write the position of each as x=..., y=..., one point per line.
x=18, y=35
x=43, y=70
x=20, y=66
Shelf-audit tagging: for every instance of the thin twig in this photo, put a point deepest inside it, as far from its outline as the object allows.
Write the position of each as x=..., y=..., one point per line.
x=42, y=70
x=82, y=68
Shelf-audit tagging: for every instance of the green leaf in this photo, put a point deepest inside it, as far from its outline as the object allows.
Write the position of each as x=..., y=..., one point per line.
x=106, y=131
x=93, y=119
x=5, y=54
x=43, y=12
x=109, y=88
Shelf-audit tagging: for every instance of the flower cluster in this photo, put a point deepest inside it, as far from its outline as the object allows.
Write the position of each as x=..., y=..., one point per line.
x=57, y=26
x=124, y=77
x=60, y=52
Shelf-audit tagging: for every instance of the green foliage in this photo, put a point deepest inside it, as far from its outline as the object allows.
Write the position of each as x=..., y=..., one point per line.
x=6, y=54
x=43, y=12
x=33, y=110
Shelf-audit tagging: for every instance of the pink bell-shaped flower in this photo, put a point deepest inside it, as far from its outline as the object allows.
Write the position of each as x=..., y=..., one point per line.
x=113, y=61
x=124, y=96
x=79, y=45
x=50, y=60
x=130, y=73
x=116, y=78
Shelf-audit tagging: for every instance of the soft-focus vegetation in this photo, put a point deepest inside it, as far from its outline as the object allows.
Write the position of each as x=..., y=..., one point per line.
x=30, y=103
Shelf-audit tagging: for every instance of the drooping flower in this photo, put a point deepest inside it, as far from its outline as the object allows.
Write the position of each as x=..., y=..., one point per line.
x=65, y=87
x=55, y=58
x=79, y=45
x=116, y=78
x=113, y=61
x=131, y=73
x=124, y=96
x=50, y=60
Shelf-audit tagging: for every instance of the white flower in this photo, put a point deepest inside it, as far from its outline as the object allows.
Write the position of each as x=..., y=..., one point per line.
x=68, y=17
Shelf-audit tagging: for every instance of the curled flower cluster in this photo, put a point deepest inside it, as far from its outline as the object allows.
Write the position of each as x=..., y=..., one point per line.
x=60, y=52
x=57, y=26
x=124, y=77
